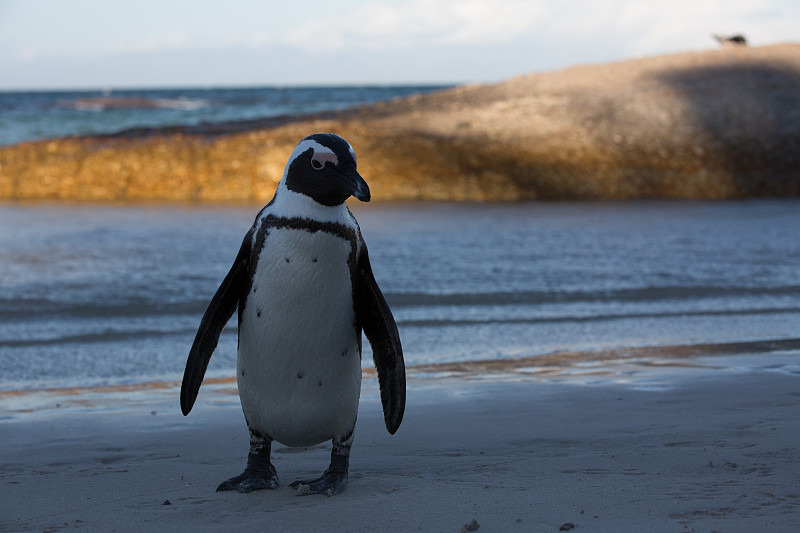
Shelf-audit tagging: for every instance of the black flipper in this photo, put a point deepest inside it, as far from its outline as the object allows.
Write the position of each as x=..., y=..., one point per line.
x=379, y=326
x=220, y=310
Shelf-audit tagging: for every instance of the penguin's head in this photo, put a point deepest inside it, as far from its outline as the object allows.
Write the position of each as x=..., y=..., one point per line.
x=323, y=167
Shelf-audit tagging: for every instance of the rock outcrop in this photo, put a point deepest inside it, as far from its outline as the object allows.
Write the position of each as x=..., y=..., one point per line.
x=713, y=124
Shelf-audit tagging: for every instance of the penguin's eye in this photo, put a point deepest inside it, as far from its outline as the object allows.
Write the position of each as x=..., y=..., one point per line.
x=320, y=159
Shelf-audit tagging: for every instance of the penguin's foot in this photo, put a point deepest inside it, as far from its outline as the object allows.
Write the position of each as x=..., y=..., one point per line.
x=331, y=482
x=251, y=479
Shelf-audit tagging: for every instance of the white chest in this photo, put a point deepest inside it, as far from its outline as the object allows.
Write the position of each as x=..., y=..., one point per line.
x=299, y=369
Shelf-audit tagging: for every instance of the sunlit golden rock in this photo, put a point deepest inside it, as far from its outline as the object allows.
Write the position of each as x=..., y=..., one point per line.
x=714, y=124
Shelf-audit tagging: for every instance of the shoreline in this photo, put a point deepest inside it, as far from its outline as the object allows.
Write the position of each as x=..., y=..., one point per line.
x=653, y=367
x=718, y=451
x=647, y=368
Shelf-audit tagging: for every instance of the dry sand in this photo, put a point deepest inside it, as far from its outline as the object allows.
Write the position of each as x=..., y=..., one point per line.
x=619, y=448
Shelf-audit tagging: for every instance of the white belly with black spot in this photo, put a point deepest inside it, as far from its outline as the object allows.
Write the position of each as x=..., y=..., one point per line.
x=299, y=364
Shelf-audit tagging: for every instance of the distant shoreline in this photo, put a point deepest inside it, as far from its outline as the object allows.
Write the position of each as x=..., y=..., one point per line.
x=31, y=116
x=715, y=124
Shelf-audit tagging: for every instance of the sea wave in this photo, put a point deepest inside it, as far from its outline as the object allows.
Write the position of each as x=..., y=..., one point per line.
x=508, y=305
x=102, y=294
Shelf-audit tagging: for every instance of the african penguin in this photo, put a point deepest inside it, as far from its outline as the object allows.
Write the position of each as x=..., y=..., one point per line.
x=304, y=289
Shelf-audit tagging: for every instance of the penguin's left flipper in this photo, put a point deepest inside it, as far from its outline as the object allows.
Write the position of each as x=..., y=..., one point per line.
x=220, y=310
x=380, y=328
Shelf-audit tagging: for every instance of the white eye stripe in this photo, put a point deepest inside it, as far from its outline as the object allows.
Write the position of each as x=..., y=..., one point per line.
x=320, y=158
x=303, y=147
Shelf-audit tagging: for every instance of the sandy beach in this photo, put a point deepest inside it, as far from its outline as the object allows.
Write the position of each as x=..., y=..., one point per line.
x=683, y=445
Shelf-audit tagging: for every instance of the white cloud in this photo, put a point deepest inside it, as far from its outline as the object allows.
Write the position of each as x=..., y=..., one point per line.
x=640, y=27
x=495, y=22
x=416, y=23
x=169, y=41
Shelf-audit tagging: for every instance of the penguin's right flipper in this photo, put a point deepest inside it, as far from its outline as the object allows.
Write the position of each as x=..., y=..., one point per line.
x=220, y=310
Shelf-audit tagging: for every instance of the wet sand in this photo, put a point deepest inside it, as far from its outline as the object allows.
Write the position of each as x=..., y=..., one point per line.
x=699, y=444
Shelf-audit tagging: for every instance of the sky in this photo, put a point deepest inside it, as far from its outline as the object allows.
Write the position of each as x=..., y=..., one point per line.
x=61, y=44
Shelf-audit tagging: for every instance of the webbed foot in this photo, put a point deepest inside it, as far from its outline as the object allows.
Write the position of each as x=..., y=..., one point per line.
x=335, y=477
x=251, y=479
x=331, y=482
x=259, y=474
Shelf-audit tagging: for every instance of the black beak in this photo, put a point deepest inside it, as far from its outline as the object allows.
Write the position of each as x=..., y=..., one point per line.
x=360, y=189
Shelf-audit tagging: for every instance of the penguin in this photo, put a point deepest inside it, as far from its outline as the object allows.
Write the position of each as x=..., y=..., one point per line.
x=304, y=290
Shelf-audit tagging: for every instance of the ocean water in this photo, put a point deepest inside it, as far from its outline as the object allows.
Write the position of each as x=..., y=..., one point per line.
x=26, y=116
x=107, y=295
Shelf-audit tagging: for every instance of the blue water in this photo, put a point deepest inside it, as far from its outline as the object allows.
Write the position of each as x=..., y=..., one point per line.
x=101, y=295
x=26, y=116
